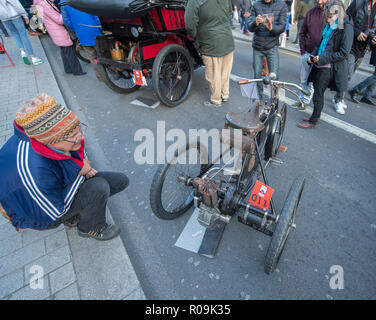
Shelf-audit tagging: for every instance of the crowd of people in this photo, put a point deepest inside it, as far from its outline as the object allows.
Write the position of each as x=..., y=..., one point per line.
x=332, y=39
x=47, y=178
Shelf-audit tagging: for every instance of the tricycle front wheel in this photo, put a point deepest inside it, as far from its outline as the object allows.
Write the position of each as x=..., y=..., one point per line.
x=170, y=192
x=284, y=225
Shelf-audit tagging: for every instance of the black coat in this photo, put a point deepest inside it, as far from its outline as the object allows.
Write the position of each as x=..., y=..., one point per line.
x=263, y=38
x=340, y=44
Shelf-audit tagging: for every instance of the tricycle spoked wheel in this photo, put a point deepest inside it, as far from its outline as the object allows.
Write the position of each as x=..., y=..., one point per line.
x=171, y=193
x=117, y=79
x=284, y=225
x=276, y=134
x=172, y=74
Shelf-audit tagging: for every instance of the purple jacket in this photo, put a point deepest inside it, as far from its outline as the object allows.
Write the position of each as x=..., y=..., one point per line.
x=311, y=30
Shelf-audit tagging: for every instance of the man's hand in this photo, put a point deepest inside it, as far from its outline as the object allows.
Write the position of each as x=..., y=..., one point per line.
x=362, y=37
x=26, y=20
x=269, y=24
x=373, y=41
x=316, y=59
x=259, y=20
x=86, y=168
x=91, y=173
x=247, y=15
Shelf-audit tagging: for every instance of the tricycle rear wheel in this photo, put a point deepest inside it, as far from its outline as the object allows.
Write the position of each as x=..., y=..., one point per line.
x=284, y=225
x=116, y=79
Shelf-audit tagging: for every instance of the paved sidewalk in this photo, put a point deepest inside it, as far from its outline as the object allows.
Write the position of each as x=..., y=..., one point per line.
x=290, y=46
x=73, y=267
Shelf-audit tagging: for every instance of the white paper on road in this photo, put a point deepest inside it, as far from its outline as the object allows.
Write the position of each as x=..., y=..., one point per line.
x=192, y=235
x=146, y=102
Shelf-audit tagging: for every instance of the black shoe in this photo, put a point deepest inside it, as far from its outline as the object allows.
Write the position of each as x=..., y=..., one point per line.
x=107, y=232
x=368, y=101
x=354, y=96
x=72, y=222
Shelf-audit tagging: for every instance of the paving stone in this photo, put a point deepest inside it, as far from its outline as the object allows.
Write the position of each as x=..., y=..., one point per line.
x=49, y=262
x=56, y=240
x=21, y=257
x=7, y=230
x=28, y=293
x=136, y=295
x=29, y=236
x=11, y=282
x=11, y=244
x=62, y=278
x=69, y=293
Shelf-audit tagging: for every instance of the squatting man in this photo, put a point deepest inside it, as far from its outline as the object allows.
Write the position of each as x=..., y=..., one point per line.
x=46, y=178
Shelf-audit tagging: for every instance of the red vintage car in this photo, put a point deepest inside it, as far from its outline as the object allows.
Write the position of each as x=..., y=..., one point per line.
x=144, y=39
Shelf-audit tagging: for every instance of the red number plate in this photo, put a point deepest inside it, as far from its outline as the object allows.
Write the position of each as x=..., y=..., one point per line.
x=261, y=196
x=139, y=78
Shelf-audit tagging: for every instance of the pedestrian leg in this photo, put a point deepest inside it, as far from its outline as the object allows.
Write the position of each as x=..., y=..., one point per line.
x=213, y=67
x=70, y=61
x=272, y=57
x=320, y=84
x=258, y=65
x=225, y=79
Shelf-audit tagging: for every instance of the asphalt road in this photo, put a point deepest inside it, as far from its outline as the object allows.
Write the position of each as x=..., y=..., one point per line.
x=336, y=224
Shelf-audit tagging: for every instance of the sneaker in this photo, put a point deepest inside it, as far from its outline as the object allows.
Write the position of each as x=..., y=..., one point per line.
x=107, y=232
x=354, y=96
x=299, y=105
x=339, y=108
x=36, y=61
x=344, y=106
x=210, y=104
x=343, y=103
x=25, y=57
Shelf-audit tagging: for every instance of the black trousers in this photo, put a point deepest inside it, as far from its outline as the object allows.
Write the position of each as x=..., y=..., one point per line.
x=321, y=81
x=91, y=199
x=70, y=60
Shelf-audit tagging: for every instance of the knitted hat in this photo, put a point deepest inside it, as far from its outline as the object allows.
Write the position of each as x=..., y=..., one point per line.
x=46, y=121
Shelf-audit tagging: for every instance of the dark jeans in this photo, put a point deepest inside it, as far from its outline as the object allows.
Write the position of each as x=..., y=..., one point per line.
x=368, y=85
x=70, y=60
x=321, y=80
x=272, y=58
x=91, y=199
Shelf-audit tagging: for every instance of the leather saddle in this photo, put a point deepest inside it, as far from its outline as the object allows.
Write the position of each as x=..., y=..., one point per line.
x=247, y=121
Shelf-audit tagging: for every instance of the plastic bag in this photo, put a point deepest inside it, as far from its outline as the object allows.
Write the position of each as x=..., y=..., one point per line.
x=236, y=15
x=283, y=40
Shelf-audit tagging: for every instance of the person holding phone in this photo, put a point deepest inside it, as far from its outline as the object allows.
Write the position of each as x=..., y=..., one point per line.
x=267, y=21
x=330, y=59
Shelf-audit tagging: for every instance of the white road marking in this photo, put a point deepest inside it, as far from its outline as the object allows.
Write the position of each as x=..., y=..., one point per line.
x=359, y=132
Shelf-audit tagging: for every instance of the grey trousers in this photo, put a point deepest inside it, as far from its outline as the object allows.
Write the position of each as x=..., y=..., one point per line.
x=91, y=199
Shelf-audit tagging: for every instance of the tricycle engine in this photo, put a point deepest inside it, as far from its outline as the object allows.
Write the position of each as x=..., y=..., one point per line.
x=208, y=202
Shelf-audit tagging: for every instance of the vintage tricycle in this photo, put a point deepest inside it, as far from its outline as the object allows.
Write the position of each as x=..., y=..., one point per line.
x=144, y=39
x=219, y=192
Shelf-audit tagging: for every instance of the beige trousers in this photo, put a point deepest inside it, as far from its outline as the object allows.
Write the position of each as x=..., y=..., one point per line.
x=217, y=72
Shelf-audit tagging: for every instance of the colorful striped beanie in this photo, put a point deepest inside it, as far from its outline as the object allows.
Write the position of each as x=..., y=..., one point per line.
x=45, y=120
